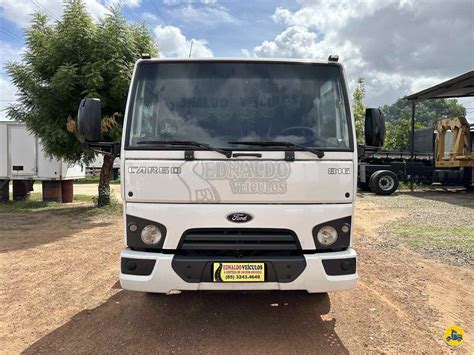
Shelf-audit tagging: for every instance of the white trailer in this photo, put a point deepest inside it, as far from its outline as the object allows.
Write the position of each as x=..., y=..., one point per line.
x=23, y=160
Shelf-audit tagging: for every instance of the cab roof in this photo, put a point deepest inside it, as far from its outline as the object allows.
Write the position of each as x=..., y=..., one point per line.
x=249, y=60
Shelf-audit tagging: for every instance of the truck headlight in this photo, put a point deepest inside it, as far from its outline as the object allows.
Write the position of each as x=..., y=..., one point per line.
x=327, y=235
x=150, y=234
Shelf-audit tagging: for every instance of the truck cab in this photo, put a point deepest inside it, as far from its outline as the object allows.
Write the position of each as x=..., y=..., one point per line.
x=238, y=175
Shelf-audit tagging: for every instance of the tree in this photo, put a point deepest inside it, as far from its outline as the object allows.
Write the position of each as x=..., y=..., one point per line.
x=358, y=109
x=398, y=118
x=67, y=61
x=397, y=136
x=427, y=111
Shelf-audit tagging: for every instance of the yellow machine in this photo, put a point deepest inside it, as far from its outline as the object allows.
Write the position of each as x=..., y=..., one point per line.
x=454, y=147
x=453, y=159
x=454, y=143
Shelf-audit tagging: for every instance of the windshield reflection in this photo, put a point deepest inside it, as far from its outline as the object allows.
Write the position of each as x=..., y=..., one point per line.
x=214, y=103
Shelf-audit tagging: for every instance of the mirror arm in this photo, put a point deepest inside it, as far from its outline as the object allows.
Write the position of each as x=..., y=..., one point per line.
x=105, y=148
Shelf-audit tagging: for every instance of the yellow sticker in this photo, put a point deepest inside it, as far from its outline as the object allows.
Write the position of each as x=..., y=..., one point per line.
x=239, y=272
x=454, y=335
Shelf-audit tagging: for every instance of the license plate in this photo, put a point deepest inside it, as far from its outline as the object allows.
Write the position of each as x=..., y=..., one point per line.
x=238, y=272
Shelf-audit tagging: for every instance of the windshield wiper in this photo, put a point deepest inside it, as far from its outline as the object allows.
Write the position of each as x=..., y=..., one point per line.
x=227, y=153
x=318, y=153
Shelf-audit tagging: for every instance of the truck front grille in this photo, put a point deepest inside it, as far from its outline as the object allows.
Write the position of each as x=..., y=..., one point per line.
x=239, y=242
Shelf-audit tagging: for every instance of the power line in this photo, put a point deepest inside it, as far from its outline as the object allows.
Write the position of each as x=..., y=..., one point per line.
x=154, y=7
x=44, y=9
x=11, y=34
x=129, y=10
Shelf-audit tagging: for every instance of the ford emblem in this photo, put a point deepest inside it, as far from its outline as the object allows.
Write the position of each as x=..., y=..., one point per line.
x=239, y=217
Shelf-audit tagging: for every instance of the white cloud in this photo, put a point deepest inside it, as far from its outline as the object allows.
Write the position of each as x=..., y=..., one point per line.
x=173, y=43
x=326, y=15
x=398, y=46
x=130, y=3
x=9, y=53
x=150, y=17
x=209, y=16
x=207, y=13
x=7, y=96
x=19, y=11
x=179, y=2
x=96, y=9
x=7, y=89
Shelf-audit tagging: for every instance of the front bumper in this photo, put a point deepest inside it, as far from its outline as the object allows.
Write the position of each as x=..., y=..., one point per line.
x=314, y=278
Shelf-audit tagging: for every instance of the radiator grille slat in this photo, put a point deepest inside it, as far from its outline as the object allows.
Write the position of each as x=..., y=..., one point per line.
x=239, y=240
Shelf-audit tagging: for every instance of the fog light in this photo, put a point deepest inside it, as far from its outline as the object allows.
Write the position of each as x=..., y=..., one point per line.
x=151, y=234
x=345, y=228
x=346, y=265
x=327, y=235
x=131, y=265
x=132, y=227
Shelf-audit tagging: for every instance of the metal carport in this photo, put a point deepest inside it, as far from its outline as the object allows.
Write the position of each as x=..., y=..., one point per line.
x=460, y=86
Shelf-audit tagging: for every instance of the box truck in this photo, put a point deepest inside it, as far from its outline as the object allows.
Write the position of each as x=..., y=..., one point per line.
x=236, y=175
x=23, y=161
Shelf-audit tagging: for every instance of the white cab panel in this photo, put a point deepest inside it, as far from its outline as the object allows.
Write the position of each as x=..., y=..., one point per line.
x=239, y=181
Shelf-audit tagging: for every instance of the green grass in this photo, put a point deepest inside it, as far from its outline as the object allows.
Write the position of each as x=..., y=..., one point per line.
x=36, y=204
x=440, y=237
x=94, y=180
x=405, y=186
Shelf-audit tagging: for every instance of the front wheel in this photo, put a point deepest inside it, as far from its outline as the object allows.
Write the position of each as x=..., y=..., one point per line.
x=384, y=182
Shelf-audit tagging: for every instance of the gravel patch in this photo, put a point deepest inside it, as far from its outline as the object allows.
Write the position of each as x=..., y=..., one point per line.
x=440, y=225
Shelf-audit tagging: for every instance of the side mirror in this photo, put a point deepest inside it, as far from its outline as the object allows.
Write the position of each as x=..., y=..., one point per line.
x=374, y=127
x=89, y=117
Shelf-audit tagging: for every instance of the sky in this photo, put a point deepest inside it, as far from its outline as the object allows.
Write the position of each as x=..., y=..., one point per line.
x=398, y=46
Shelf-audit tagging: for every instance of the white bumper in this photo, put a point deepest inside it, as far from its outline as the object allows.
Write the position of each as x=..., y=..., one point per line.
x=164, y=279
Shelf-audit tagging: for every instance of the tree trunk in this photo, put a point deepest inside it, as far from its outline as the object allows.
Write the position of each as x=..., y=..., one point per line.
x=104, y=186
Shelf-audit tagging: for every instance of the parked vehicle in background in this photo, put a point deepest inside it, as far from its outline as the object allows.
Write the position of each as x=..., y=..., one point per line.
x=442, y=155
x=23, y=161
x=95, y=166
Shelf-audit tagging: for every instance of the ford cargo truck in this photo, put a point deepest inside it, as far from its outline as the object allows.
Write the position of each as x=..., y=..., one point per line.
x=237, y=174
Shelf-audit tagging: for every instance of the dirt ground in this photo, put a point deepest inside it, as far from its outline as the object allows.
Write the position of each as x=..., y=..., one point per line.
x=59, y=293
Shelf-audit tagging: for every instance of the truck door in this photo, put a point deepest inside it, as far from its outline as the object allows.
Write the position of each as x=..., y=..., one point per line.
x=22, y=149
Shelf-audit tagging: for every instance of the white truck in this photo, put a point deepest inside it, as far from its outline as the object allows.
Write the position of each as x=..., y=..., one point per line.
x=23, y=161
x=237, y=174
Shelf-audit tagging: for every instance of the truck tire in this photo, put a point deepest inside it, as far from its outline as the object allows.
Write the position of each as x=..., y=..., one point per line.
x=384, y=182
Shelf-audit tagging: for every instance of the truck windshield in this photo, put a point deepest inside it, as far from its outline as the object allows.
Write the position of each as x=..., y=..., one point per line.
x=218, y=103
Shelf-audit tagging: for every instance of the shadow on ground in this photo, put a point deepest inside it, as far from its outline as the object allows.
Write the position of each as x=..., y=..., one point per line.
x=199, y=322
x=23, y=230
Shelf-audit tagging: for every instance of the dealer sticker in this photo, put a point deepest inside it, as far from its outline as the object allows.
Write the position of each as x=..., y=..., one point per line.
x=238, y=272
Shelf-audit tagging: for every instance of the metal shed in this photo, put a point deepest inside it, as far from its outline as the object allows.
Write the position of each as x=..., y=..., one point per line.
x=460, y=86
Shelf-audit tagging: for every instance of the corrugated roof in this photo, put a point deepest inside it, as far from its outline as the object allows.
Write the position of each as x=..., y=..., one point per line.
x=460, y=86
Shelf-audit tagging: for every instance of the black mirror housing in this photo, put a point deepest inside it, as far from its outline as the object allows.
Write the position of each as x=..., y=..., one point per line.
x=89, y=117
x=374, y=127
